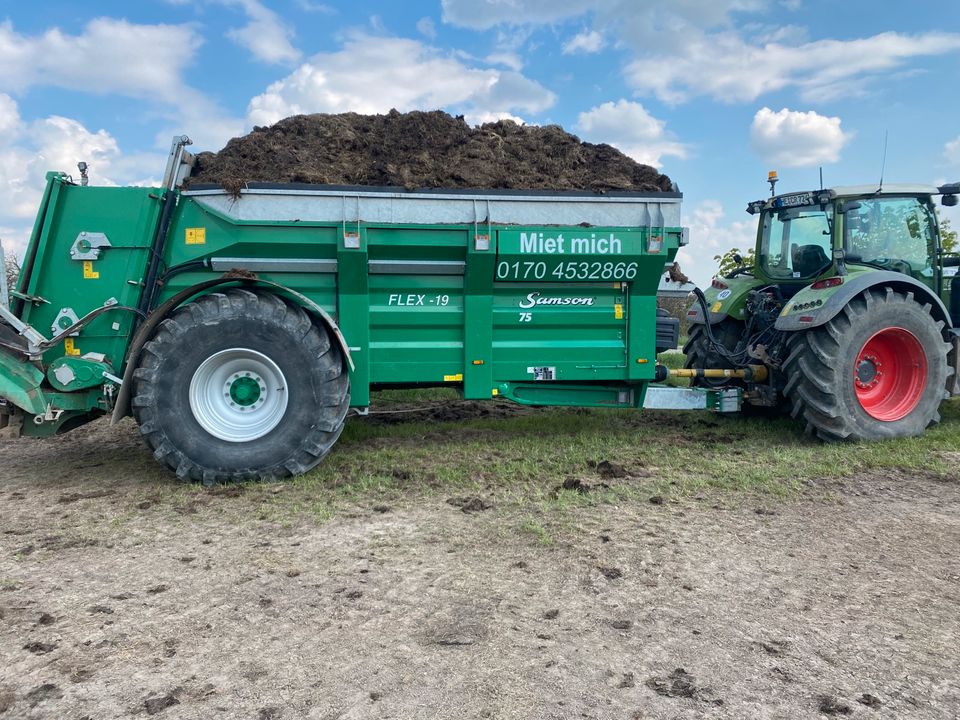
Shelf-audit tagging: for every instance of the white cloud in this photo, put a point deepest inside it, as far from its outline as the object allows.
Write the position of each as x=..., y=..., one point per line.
x=711, y=235
x=951, y=150
x=481, y=118
x=485, y=14
x=726, y=67
x=9, y=117
x=686, y=48
x=310, y=6
x=791, y=138
x=588, y=41
x=628, y=126
x=109, y=56
x=265, y=34
x=374, y=74
x=507, y=59
x=56, y=143
x=427, y=28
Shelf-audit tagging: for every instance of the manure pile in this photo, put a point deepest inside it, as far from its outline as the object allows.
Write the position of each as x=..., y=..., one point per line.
x=422, y=150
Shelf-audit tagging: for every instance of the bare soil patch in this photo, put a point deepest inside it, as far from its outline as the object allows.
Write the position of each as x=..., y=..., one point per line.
x=422, y=150
x=176, y=602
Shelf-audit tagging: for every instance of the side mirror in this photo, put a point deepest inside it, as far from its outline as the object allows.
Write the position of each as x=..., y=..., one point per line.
x=948, y=200
x=839, y=261
x=738, y=259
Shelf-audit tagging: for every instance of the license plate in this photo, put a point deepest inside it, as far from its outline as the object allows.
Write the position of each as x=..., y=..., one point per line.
x=794, y=200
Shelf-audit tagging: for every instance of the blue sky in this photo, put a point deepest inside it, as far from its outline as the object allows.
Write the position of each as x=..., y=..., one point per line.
x=714, y=92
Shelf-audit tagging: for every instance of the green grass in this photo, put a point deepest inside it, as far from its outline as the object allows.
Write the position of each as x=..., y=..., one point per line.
x=535, y=530
x=521, y=460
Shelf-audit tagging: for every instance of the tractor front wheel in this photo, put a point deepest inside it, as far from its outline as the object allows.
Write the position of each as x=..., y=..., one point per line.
x=240, y=386
x=700, y=352
x=877, y=370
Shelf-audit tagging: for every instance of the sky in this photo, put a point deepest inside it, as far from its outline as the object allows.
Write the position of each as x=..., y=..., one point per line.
x=714, y=93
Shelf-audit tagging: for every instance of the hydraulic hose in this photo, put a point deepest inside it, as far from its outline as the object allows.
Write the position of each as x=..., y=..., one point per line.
x=718, y=347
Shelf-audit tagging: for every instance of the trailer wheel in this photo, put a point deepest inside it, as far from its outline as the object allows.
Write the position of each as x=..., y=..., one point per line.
x=877, y=370
x=240, y=386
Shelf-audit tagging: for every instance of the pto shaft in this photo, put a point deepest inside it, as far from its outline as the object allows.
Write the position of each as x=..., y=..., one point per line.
x=751, y=373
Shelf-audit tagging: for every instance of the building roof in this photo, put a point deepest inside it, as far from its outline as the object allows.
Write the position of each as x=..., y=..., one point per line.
x=671, y=289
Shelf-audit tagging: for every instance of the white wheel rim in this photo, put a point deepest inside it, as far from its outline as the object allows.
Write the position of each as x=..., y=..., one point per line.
x=238, y=395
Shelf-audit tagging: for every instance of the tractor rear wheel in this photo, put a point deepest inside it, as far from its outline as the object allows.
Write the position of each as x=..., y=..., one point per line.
x=877, y=370
x=240, y=386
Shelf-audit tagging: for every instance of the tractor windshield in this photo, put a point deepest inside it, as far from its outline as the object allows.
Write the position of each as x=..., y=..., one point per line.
x=892, y=233
x=796, y=242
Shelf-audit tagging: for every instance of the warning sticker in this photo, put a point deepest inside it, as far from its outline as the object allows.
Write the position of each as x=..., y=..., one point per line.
x=196, y=236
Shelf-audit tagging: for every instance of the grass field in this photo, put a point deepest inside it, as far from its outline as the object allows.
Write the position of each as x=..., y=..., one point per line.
x=426, y=443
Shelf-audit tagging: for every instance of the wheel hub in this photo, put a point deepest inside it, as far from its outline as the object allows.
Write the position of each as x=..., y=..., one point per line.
x=868, y=372
x=238, y=395
x=890, y=374
x=246, y=391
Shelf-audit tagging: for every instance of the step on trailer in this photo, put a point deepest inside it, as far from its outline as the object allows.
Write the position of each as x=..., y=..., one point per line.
x=240, y=328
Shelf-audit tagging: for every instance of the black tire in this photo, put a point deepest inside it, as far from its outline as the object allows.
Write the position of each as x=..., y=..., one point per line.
x=821, y=365
x=303, y=425
x=701, y=354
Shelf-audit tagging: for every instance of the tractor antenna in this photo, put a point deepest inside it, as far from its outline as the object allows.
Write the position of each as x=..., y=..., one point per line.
x=821, y=177
x=883, y=163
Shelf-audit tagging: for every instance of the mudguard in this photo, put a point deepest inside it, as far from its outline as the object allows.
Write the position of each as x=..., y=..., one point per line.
x=122, y=407
x=722, y=303
x=810, y=308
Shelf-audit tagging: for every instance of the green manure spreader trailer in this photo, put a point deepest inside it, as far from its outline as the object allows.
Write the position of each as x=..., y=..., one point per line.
x=240, y=329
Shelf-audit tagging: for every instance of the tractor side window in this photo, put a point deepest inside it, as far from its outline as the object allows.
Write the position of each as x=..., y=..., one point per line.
x=893, y=233
x=796, y=242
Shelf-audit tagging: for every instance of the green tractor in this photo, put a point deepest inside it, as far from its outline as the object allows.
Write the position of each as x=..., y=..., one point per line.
x=852, y=309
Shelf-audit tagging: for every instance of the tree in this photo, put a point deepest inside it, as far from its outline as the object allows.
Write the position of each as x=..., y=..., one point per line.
x=948, y=236
x=11, y=271
x=726, y=263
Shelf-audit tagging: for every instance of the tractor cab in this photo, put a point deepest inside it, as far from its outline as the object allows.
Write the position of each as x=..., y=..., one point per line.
x=804, y=236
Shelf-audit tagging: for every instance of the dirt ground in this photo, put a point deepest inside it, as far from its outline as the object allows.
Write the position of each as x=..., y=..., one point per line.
x=422, y=150
x=125, y=595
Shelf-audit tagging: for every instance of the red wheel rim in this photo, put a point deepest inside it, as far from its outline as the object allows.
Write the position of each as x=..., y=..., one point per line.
x=890, y=374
